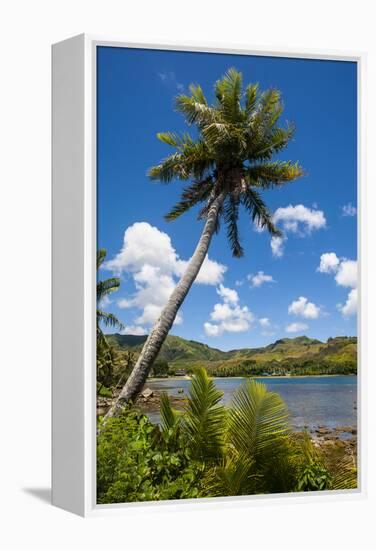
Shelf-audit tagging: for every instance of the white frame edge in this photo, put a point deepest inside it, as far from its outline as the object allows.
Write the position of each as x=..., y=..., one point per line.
x=74, y=278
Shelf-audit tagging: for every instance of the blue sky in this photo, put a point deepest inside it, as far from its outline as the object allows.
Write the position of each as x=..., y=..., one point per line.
x=236, y=304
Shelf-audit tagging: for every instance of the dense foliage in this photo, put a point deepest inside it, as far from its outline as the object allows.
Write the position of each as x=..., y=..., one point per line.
x=295, y=367
x=213, y=450
x=137, y=462
x=160, y=368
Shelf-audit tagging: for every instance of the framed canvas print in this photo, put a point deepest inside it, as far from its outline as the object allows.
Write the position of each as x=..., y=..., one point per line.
x=206, y=284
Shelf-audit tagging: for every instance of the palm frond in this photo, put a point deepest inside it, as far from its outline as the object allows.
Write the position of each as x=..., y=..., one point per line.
x=169, y=417
x=257, y=421
x=251, y=93
x=193, y=160
x=260, y=214
x=195, y=110
x=267, y=175
x=235, y=475
x=270, y=142
x=345, y=474
x=101, y=255
x=192, y=195
x=106, y=287
x=198, y=94
x=198, y=158
x=170, y=168
x=228, y=93
x=231, y=215
x=109, y=319
x=170, y=138
x=217, y=133
x=204, y=418
x=270, y=104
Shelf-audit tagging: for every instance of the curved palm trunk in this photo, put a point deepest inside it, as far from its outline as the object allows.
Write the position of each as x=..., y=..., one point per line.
x=161, y=328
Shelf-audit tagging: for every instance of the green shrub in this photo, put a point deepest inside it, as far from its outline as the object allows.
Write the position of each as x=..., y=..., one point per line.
x=103, y=391
x=134, y=463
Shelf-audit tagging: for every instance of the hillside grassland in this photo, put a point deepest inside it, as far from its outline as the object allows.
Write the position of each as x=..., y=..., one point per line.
x=287, y=356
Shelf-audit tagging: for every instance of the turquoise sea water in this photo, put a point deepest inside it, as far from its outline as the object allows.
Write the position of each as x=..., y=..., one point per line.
x=313, y=400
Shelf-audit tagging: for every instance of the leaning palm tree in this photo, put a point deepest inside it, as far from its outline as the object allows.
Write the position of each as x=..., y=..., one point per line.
x=229, y=164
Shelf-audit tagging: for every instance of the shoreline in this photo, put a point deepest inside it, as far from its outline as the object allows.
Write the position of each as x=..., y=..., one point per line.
x=187, y=377
x=321, y=435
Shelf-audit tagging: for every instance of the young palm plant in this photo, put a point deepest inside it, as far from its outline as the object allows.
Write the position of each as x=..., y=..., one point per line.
x=104, y=288
x=243, y=449
x=228, y=165
x=105, y=360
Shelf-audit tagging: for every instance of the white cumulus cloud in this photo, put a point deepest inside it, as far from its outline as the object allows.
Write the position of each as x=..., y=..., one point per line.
x=264, y=322
x=260, y=278
x=277, y=246
x=299, y=218
x=211, y=330
x=345, y=274
x=134, y=329
x=296, y=327
x=228, y=294
x=148, y=256
x=211, y=272
x=303, y=308
x=329, y=262
x=348, y=210
x=228, y=315
x=351, y=305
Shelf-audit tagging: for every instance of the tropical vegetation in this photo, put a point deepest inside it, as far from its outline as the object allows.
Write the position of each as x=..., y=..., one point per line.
x=211, y=450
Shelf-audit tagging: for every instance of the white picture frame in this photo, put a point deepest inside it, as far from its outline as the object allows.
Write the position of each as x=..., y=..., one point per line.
x=74, y=276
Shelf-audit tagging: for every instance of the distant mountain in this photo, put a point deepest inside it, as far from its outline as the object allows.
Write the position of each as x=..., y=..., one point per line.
x=301, y=355
x=174, y=348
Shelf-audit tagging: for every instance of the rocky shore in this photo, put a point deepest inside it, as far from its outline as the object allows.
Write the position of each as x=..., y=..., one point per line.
x=148, y=401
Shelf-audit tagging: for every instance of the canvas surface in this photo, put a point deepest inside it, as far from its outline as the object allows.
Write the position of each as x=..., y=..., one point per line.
x=227, y=208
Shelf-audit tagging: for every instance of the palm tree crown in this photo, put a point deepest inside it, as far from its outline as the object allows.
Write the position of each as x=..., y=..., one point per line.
x=104, y=288
x=238, y=136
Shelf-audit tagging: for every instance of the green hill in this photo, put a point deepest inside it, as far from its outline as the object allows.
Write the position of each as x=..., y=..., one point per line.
x=301, y=355
x=174, y=348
